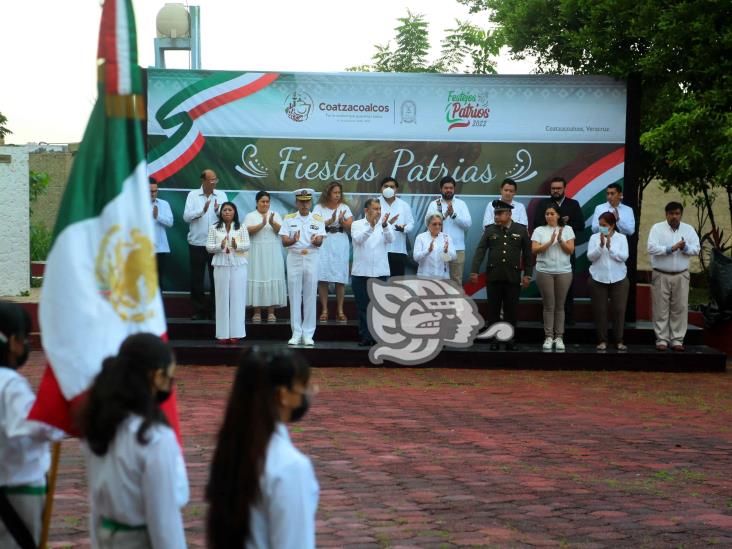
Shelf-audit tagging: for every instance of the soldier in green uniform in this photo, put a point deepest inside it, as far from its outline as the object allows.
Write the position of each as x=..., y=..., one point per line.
x=507, y=243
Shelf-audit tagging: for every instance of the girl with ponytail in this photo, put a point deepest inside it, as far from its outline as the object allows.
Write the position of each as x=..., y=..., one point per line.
x=262, y=491
x=137, y=478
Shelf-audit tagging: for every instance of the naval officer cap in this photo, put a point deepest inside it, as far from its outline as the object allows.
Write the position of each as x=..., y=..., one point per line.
x=501, y=206
x=304, y=194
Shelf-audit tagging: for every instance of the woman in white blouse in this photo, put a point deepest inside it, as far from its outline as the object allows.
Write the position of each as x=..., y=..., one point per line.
x=136, y=474
x=336, y=250
x=228, y=241
x=608, y=252
x=262, y=491
x=432, y=250
x=553, y=245
x=266, y=284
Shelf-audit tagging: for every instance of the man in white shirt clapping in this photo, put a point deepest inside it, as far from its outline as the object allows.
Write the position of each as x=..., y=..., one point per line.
x=202, y=211
x=401, y=220
x=162, y=219
x=371, y=237
x=456, y=221
x=624, y=214
x=671, y=245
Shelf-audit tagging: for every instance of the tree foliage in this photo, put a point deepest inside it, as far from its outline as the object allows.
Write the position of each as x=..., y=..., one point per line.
x=411, y=49
x=679, y=48
x=3, y=128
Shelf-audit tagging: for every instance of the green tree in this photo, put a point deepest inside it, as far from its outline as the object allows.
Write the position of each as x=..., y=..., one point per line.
x=3, y=128
x=680, y=51
x=411, y=49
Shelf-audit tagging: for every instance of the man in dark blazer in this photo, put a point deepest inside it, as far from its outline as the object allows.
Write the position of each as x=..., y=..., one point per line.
x=571, y=211
x=507, y=244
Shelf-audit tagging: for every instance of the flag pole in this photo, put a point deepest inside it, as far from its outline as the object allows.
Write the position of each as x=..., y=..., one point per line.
x=48, y=506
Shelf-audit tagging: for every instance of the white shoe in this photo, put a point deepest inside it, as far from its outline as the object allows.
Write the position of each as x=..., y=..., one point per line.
x=558, y=344
x=548, y=342
x=294, y=340
x=308, y=342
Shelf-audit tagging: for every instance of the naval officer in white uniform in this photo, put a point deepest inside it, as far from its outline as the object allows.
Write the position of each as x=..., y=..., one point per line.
x=302, y=234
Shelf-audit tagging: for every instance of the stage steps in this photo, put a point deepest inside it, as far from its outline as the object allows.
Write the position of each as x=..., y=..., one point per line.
x=697, y=358
x=528, y=332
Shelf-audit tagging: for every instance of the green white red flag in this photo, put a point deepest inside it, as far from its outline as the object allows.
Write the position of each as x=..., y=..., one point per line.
x=100, y=283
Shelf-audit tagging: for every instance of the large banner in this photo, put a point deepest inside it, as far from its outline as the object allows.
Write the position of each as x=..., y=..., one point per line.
x=280, y=132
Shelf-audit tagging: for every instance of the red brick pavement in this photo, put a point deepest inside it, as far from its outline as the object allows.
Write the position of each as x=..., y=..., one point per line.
x=438, y=458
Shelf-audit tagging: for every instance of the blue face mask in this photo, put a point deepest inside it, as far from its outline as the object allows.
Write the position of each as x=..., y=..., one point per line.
x=605, y=230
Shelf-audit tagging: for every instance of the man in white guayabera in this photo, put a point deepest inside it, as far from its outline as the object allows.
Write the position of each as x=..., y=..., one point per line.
x=671, y=245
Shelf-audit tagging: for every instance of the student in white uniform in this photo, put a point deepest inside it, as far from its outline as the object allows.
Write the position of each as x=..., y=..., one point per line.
x=262, y=492
x=228, y=242
x=336, y=250
x=401, y=219
x=302, y=233
x=135, y=470
x=508, y=191
x=432, y=250
x=24, y=453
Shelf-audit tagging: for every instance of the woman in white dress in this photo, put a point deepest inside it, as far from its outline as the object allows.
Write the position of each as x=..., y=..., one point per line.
x=432, y=250
x=262, y=491
x=335, y=252
x=228, y=241
x=267, y=286
x=136, y=474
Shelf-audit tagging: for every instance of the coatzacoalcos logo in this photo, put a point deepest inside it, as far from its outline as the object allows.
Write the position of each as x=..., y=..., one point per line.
x=126, y=273
x=465, y=109
x=298, y=106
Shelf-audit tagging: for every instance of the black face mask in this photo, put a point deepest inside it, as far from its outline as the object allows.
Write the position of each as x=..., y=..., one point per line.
x=162, y=396
x=298, y=413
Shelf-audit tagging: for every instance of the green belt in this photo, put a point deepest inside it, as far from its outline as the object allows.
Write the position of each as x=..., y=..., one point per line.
x=114, y=526
x=24, y=490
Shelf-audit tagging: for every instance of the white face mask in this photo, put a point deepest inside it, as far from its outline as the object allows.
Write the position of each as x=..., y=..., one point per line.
x=388, y=192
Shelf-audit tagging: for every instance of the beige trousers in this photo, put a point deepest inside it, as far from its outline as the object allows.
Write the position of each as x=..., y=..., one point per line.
x=553, y=288
x=670, y=299
x=457, y=267
x=30, y=508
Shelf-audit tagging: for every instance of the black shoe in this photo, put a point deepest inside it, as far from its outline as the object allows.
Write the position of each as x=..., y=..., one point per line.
x=495, y=346
x=511, y=346
x=364, y=343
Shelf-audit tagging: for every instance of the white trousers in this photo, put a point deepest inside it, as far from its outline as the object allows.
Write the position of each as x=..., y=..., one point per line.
x=30, y=509
x=302, y=285
x=231, y=295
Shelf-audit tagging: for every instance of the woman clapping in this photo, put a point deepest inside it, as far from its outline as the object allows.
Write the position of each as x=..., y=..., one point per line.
x=553, y=245
x=432, y=250
x=229, y=242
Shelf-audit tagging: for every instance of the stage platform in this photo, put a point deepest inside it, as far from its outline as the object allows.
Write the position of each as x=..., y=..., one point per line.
x=336, y=345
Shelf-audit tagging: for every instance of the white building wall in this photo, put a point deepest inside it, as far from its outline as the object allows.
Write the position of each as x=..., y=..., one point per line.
x=14, y=226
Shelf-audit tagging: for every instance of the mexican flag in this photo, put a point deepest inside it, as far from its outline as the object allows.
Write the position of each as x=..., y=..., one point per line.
x=100, y=283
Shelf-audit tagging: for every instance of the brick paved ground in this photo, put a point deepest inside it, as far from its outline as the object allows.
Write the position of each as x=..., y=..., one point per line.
x=433, y=458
